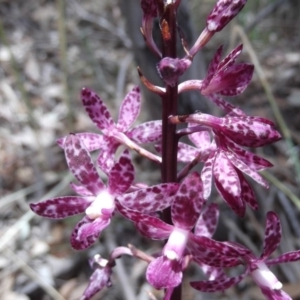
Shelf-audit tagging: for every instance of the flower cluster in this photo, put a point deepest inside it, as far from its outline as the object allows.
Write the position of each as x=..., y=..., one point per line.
x=189, y=217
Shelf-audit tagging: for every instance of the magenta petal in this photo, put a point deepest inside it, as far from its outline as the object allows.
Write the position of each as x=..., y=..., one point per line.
x=61, y=207
x=220, y=284
x=225, y=106
x=208, y=221
x=188, y=202
x=121, y=175
x=99, y=279
x=130, y=109
x=106, y=158
x=186, y=153
x=229, y=60
x=153, y=228
x=155, y=198
x=147, y=132
x=228, y=184
x=206, y=174
x=246, y=169
x=96, y=109
x=286, y=257
x=272, y=234
x=201, y=139
x=80, y=190
x=87, y=231
x=81, y=165
x=163, y=273
x=91, y=141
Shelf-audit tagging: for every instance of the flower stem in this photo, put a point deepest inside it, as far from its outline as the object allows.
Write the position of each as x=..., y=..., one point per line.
x=169, y=107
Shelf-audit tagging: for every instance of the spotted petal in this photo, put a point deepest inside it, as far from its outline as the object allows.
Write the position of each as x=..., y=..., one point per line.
x=164, y=273
x=87, y=231
x=81, y=165
x=130, y=109
x=272, y=234
x=121, y=175
x=96, y=109
x=147, y=132
x=61, y=207
x=155, y=198
x=206, y=174
x=188, y=202
x=208, y=221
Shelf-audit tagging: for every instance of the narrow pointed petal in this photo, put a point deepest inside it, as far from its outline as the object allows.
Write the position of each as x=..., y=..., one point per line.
x=272, y=234
x=96, y=109
x=163, y=273
x=91, y=141
x=286, y=257
x=185, y=153
x=81, y=165
x=99, y=279
x=155, y=198
x=254, y=162
x=272, y=294
x=228, y=184
x=130, y=109
x=147, y=132
x=223, y=12
x=213, y=66
x=229, y=60
x=188, y=202
x=247, y=193
x=87, y=231
x=80, y=190
x=61, y=207
x=201, y=139
x=214, y=253
x=121, y=175
x=106, y=158
x=208, y=221
x=246, y=169
x=206, y=174
x=218, y=285
x=225, y=105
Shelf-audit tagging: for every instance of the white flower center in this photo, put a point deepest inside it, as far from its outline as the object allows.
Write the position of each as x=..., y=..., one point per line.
x=264, y=277
x=175, y=246
x=103, y=201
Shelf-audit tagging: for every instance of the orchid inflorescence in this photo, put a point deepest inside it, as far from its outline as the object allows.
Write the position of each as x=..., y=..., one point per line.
x=176, y=210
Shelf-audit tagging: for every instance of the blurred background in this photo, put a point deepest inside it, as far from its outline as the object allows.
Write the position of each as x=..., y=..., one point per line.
x=49, y=50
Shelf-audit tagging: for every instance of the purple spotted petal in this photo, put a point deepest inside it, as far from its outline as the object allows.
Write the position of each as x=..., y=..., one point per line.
x=218, y=285
x=230, y=59
x=246, y=169
x=163, y=273
x=188, y=202
x=121, y=175
x=96, y=109
x=228, y=184
x=186, y=153
x=214, y=253
x=272, y=294
x=253, y=161
x=87, y=231
x=247, y=193
x=201, y=139
x=99, y=279
x=213, y=67
x=147, y=132
x=225, y=105
x=286, y=257
x=223, y=12
x=80, y=190
x=155, y=198
x=130, y=109
x=61, y=207
x=208, y=221
x=81, y=165
x=272, y=235
x=153, y=228
x=106, y=158
x=206, y=174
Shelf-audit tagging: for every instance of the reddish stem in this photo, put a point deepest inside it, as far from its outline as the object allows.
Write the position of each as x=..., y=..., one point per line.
x=169, y=107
